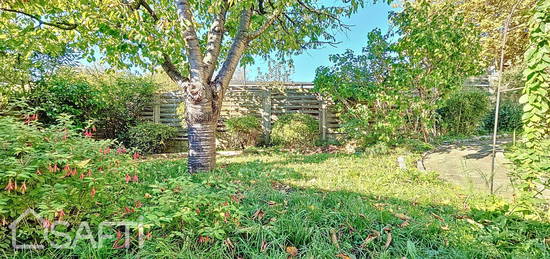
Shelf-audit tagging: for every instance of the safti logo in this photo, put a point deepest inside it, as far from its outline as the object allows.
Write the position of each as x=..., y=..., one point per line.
x=83, y=233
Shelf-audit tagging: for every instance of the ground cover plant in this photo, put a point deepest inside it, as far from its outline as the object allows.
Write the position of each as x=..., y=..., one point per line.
x=279, y=205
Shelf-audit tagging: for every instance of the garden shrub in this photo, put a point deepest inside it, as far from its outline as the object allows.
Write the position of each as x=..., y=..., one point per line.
x=243, y=131
x=67, y=93
x=509, y=117
x=58, y=172
x=112, y=101
x=463, y=113
x=149, y=137
x=295, y=130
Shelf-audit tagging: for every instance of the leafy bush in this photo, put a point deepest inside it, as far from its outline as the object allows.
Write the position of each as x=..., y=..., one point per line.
x=150, y=137
x=112, y=101
x=243, y=131
x=295, y=130
x=509, y=117
x=463, y=113
x=530, y=175
x=57, y=172
x=67, y=93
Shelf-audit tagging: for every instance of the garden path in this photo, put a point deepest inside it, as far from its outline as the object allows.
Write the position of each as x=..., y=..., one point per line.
x=468, y=163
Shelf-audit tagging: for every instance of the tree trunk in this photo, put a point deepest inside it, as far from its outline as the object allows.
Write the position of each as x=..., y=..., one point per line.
x=201, y=125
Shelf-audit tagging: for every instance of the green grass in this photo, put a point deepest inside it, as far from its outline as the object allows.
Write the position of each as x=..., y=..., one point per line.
x=326, y=205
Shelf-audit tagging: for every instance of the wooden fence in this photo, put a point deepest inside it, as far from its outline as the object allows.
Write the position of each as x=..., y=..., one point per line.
x=265, y=102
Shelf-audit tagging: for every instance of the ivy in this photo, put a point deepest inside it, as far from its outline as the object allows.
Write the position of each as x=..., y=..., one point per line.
x=532, y=162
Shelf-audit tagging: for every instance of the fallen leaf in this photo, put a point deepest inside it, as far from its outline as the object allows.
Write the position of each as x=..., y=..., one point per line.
x=402, y=216
x=292, y=251
x=228, y=243
x=438, y=217
x=264, y=246
x=334, y=238
x=473, y=222
x=388, y=238
x=259, y=215
x=404, y=224
x=204, y=239
x=375, y=234
x=343, y=256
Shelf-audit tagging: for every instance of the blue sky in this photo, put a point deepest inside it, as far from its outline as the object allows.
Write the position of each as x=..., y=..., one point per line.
x=366, y=19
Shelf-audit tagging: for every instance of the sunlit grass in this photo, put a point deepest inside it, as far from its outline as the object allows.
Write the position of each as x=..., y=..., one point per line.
x=326, y=205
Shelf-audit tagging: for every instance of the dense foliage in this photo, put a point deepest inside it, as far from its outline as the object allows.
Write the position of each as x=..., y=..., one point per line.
x=531, y=161
x=295, y=130
x=57, y=171
x=395, y=88
x=464, y=112
x=149, y=137
x=111, y=102
x=509, y=117
x=244, y=131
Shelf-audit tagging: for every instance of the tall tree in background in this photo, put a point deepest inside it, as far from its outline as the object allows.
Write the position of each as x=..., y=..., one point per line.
x=489, y=17
x=190, y=39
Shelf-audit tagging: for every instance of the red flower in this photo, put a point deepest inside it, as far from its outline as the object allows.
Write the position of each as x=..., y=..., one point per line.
x=127, y=178
x=60, y=214
x=135, y=178
x=81, y=176
x=55, y=168
x=10, y=186
x=89, y=173
x=67, y=169
x=135, y=156
x=93, y=129
x=73, y=172
x=88, y=134
x=92, y=192
x=121, y=150
x=46, y=223
x=107, y=151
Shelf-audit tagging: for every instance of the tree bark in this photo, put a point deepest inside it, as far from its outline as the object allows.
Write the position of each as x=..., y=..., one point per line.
x=201, y=126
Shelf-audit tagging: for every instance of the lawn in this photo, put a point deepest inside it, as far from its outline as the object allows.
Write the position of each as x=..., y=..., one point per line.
x=272, y=204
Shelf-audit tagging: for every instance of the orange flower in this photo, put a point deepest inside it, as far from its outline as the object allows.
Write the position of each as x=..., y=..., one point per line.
x=92, y=192
x=135, y=178
x=10, y=186
x=23, y=187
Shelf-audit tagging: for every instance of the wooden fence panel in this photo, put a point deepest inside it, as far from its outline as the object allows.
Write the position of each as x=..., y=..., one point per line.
x=258, y=100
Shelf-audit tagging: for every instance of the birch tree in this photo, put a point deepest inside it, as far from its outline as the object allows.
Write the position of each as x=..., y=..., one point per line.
x=199, y=44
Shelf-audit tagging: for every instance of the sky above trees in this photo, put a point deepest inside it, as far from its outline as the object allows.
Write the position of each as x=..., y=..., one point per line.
x=365, y=20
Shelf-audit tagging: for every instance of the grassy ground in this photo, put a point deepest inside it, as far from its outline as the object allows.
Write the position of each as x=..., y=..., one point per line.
x=319, y=206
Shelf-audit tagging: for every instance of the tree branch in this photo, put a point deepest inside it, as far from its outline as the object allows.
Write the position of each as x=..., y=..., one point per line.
x=214, y=42
x=237, y=49
x=266, y=25
x=194, y=55
x=172, y=71
x=60, y=25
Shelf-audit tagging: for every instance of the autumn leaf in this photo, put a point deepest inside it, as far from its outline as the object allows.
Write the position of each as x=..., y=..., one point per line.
x=375, y=234
x=343, y=256
x=402, y=216
x=438, y=217
x=334, y=238
x=404, y=224
x=264, y=246
x=292, y=251
x=259, y=215
x=228, y=243
x=388, y=237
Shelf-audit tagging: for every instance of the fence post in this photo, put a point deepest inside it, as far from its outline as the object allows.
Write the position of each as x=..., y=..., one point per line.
x=266, y=114
x=323, y=119
x=156, y=109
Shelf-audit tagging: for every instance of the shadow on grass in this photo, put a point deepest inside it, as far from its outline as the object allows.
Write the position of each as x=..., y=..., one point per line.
x=284, y=207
